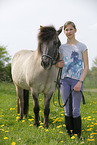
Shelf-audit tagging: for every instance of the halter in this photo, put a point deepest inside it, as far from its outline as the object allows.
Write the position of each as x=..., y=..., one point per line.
x=48, y=56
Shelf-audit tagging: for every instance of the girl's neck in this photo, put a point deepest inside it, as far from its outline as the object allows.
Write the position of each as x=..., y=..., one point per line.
x=72, y=41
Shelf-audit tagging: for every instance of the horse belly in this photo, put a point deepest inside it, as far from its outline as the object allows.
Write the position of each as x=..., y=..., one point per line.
x=45, y=83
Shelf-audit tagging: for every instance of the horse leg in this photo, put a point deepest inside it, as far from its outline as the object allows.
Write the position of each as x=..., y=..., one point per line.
x=46, y=109
x=18, y=109
x=26, y=101
x=21, y=101
x=36, y=109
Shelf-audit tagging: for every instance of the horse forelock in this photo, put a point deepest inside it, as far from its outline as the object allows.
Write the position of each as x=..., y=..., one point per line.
x=46, y=34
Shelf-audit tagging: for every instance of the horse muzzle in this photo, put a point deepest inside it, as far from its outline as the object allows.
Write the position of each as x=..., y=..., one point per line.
x=46, y=62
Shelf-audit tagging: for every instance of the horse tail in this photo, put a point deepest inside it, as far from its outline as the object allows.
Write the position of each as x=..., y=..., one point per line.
x=26, y=101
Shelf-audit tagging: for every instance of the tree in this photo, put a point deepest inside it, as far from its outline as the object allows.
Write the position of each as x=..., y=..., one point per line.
x=4, y=64
x=95, y=62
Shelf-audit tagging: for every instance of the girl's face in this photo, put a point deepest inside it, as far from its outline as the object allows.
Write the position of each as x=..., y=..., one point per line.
x=70, y=31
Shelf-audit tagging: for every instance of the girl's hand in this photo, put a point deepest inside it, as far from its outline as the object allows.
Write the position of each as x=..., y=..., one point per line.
x=77, y=87
x=60, y=64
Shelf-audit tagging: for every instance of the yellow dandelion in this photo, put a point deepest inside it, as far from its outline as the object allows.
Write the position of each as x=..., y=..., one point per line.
x=23, y=120
x=40, y=126
x=88, y=119
x=90, y=140
x=31, y=125
x=89, y=116
x=17, y=117
x=71, y=130
x=1, y=115
x=46, y=130
x=60, y=132
x=2, y=129
x=5, y=137
x=12, y=108
x=93, y=133
x=73, y=137
x=59, y=120
x=2, y=125
x=30, y=119
x=6, y=131
x=59, y=126
x=19, y=138
x=13, y=143
x=89, y=129
x=64, y=125
x=91, y=125
x=55, y=120
x=61, y=141
x=62, y=114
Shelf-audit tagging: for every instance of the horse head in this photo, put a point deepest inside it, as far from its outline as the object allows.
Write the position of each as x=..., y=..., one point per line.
x=48, y=46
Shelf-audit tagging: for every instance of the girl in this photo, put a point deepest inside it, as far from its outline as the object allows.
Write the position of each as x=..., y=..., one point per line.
x=74, y=55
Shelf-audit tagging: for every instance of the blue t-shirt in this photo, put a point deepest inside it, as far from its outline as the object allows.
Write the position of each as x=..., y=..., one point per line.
x=73, y=61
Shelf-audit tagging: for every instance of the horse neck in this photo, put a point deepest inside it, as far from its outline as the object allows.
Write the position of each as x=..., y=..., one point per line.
x=37, y=56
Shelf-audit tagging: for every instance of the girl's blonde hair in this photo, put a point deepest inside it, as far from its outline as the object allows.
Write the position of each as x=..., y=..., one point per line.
x=69, y=23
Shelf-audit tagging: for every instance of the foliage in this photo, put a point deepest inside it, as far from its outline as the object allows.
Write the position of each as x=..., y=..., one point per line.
x=91, y=78
x=5, y=66
x=95, y=62
x=14, y=132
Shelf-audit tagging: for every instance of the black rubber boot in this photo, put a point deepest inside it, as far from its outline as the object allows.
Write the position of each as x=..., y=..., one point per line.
x=77, y=126
x=69, y=125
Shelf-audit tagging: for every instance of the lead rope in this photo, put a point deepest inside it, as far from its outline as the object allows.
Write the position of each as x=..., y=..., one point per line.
x=58, y=87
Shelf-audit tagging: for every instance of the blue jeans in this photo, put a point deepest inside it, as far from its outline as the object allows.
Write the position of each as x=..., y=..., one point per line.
x=67, y=84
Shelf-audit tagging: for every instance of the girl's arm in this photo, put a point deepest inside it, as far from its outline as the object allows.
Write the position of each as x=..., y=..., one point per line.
x=77, y=87
x=61, y=63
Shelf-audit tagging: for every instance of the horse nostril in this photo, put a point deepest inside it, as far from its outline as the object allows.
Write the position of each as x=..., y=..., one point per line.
x=45, y=64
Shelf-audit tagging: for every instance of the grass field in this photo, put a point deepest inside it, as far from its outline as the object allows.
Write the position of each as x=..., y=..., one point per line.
x=14, y=132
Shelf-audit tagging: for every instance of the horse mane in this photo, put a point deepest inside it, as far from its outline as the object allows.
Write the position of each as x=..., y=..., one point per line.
x=46, y=34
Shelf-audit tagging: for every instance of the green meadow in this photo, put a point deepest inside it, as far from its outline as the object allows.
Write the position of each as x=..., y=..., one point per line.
x=14, y=132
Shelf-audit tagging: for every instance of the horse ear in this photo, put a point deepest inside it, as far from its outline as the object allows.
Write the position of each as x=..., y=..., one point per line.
x=60, y=30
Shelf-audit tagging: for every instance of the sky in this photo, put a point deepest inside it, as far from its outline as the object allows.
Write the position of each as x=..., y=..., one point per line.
x=20, y=21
